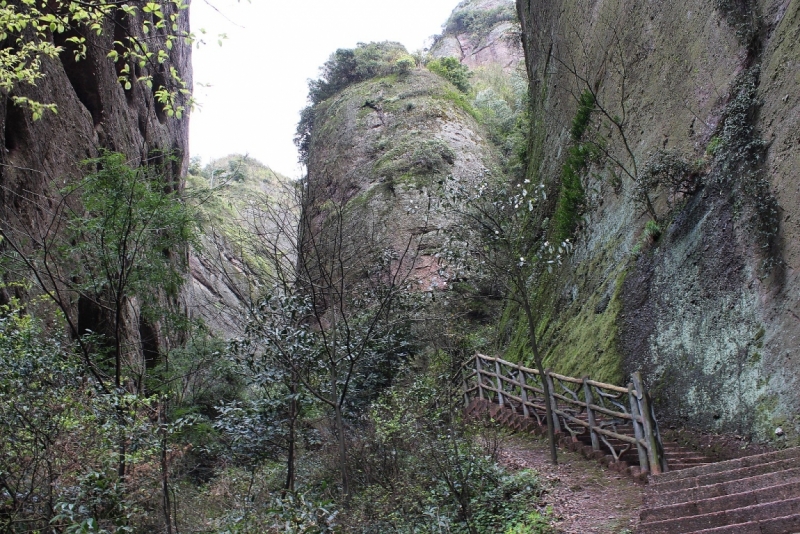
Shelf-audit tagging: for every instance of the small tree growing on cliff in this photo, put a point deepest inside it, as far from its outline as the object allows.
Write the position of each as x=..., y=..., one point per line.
x=502, y=238
x=589, y=73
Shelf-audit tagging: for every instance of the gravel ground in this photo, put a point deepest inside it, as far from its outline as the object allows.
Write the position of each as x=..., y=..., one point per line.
x=585, y=497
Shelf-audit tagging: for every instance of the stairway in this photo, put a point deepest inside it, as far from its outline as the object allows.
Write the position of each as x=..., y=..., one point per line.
x=752, y=495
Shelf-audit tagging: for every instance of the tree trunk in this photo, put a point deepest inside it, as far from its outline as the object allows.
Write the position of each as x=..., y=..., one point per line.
x=290, y=476
x=549, y=415
x=162, y=417
x=342, y=450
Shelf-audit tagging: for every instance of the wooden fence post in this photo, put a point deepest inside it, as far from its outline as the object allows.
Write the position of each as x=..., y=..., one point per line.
x=523, y=393
x=465, y=387
x=587, y=395
x=480, y=376
x=638, y=429
x=650, y=432
x=499, y=382
x=552, y=400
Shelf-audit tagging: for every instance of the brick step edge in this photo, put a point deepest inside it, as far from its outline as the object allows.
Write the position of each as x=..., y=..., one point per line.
x=717, y=477
x=789, y=524
x=720, y=504
x=655, y=498
x=747, y=514
x=746, y=461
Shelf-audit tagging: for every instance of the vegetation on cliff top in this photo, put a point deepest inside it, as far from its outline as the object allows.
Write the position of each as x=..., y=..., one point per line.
x=471, y=17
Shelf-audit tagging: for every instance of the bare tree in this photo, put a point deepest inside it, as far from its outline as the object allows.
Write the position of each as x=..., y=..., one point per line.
x=502, y=239
x=328, y=313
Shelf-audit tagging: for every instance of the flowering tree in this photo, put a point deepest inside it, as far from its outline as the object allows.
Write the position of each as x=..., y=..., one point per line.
x=503, y=237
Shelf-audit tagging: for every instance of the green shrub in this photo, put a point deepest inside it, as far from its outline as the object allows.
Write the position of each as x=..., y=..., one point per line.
x=451, y=70
x=348, y=66
x=419, y=468
x=405, y=64
x=582, y=116
x=652, y=230
x=533, y=523
x=714, y=145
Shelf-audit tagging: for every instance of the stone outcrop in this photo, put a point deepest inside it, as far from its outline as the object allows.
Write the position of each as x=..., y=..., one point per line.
x=479, y=44
x=386, y=146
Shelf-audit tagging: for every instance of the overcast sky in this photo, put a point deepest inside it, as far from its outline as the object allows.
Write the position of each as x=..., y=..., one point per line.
x=255, y=83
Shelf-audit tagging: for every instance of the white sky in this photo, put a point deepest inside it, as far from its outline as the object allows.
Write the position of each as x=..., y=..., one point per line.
x=258, y=76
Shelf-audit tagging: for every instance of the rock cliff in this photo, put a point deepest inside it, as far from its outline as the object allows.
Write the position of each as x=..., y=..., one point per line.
x=696, y=115
x=387, y=144
x=95, y=112
x=481, y=33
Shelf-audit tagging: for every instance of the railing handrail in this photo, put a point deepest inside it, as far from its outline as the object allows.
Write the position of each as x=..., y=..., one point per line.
x=601, y=402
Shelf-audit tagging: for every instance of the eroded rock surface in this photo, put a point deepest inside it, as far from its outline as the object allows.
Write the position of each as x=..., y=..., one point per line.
x=708, y=308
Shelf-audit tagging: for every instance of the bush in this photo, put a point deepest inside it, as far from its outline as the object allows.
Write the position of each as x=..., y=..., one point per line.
x=348, y=66
x=453, y=71
x=60, y=432
x=421, y=469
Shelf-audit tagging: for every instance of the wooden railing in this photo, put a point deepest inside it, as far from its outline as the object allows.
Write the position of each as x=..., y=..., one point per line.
x=616, y=418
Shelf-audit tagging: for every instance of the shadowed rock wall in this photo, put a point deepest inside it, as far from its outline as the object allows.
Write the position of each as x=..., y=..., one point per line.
x=95, y=112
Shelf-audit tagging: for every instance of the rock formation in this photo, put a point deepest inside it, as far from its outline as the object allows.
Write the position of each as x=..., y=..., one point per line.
x=480, y=33
x=95, y=112
x=705, y=299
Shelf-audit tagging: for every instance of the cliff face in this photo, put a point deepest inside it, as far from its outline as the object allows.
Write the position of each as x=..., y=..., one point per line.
x=704, y=298
x=94, y=112
x=480, y=33
x=246, y=209
x=385, y=146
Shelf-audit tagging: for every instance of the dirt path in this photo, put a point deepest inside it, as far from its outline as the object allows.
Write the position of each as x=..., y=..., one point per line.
x=586, y=498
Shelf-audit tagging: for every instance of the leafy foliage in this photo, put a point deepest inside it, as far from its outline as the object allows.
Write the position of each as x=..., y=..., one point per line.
x=501, y=100
x=571, y=198
x=451, y=70
x=348, y=66
x=57, y=458
x=668, y=170
x=421, y=469
x=30, y=26
x=130, y=218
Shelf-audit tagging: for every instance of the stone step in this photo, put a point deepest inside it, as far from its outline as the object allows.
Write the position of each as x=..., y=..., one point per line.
x=715, y=476
x=731, y=487
x=789, y=524
x=738, y=516
x=677, y=466
x=725, y=502
x=686, y=459
x=682, y=453
x=738, y=463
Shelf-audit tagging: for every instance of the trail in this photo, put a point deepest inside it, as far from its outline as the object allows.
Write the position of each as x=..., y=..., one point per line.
x=585, y=497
